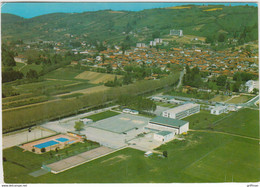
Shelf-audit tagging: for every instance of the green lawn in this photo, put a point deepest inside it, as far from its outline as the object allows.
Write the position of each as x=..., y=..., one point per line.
x=241, y=99
x=201, y=157
x=102, y=115
x=220, y=98
x=244, y=122
x=202, y=120
x=169, y=105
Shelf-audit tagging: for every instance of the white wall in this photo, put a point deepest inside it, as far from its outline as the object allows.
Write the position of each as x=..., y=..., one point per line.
x=184, y=128
x=164, y=138
x=161, y=128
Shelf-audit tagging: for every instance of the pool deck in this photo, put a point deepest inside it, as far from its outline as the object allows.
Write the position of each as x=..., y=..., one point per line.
x=49, y=143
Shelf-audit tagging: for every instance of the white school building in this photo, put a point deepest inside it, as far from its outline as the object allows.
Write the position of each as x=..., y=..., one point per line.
x=182, y=111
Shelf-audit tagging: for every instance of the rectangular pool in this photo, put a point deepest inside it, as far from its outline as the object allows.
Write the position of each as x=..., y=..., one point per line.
x=46, y=144
x=62, y=139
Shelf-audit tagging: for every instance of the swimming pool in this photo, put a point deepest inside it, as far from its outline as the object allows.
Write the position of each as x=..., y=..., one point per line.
x=46, y=144
x=62, y=139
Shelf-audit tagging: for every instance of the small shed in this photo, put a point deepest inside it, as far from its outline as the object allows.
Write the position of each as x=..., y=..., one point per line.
x=148, y=153
x=218, y=110
x=86, y=121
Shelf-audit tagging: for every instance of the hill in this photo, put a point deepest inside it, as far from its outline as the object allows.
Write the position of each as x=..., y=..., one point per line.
x=114, y=26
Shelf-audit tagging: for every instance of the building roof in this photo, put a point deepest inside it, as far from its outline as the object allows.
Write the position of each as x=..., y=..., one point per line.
x=182, y=108
x=219, y=107
x=164, y=133
x=168, y=121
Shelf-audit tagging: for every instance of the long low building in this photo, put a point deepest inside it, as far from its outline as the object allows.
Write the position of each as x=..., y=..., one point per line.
x=182, y=111
x=160, y=123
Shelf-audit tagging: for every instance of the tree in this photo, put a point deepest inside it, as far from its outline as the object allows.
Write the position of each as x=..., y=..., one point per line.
x=165, y=154
x=221, y=80
x=221, y=37
x=32, y=74
x=109, y=68
x=43, y=150
x=255, y=91
x=79, y=125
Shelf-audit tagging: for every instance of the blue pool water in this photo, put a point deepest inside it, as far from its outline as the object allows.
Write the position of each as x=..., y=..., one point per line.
x=62, y=139
x=46, y=144
x=71, y=142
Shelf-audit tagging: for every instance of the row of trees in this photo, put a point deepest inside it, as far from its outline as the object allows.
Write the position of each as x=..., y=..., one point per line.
x=192, y=77
x=51, y=110
x=137, y=102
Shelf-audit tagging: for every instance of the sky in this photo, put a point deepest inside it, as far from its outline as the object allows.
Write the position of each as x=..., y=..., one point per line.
x=29, y=10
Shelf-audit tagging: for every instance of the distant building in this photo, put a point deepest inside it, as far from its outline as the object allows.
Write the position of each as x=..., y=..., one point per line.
x=86, y=121
x=217, y=110
x=176, y=32
x=158, y=40
x=182, y=111
x=152, y=43
x=250, y=85
x=20, y=58
x=167, y=99
x=175, y=126
x=140, y=45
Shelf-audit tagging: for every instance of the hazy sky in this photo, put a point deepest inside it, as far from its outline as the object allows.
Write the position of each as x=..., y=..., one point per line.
x=29, y=10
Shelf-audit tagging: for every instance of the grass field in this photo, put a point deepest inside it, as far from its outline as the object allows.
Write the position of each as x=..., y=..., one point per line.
x=169, y=105
x=244, y=122
x=220, y=98
x=95, y=77
x=240, y=99
x=102, y=115
x=202, y=120
x=202, y=157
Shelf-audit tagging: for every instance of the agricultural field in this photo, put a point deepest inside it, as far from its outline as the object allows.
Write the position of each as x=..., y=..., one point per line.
x=24, y=68
x=184, y=39
x=102, y=115
x=240, y=99
x=96, y=78
x=201, y=157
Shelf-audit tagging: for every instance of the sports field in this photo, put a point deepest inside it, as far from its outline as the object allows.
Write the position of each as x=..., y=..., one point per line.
x=240, y=99
x=220, y=98
x=244, y=122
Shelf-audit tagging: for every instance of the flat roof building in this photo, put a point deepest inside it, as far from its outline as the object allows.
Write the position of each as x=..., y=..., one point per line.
x=182, y=111
x=218, y=110
x=164, y=136
x=168, y=124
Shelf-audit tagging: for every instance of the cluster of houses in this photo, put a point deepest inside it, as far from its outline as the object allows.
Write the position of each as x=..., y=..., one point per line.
x=225, y=62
